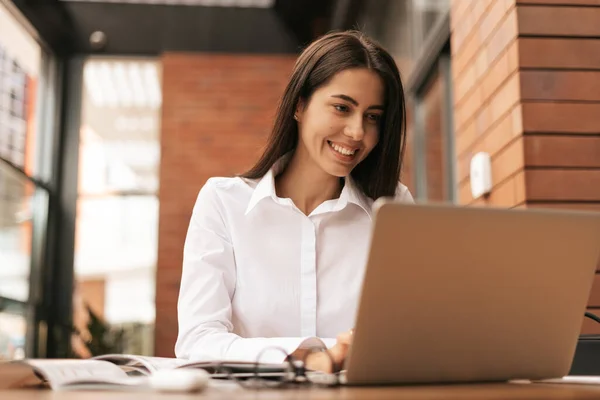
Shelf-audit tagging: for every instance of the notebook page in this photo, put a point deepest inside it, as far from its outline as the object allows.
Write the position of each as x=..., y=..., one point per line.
x=151, y=364
x=158, y=363
x=61, y=373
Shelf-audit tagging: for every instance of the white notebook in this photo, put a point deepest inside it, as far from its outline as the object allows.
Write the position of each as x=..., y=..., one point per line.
x=116, y=371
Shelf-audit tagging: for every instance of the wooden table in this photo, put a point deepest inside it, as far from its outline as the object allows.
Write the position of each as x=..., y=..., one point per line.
x=467, y=392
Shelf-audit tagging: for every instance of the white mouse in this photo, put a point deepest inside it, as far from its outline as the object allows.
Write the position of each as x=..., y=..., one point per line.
x=179, y=380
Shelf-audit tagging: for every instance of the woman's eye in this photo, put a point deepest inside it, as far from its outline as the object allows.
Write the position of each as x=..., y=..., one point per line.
x=374, y=117
x=341, y=108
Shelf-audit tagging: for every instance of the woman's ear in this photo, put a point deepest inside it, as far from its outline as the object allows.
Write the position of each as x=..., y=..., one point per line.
x=299, y=110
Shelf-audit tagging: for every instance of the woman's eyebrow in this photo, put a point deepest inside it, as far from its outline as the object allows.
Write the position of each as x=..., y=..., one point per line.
x=351, y=100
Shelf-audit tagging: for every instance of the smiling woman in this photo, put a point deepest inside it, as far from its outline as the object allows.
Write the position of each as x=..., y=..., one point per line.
x=347, y=123
x=276, y=257
x=352, y=75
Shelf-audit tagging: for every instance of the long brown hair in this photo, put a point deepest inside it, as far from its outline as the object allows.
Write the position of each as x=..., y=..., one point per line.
x=378, y=174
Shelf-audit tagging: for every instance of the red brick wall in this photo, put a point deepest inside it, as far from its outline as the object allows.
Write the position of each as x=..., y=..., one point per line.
x=93, y=292
x=217, y=112
x=526, y=91
x=527, y=84
x=560, y=92
x=486, y=97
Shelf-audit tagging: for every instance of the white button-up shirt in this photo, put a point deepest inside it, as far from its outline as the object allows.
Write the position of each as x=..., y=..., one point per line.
x=258, y=273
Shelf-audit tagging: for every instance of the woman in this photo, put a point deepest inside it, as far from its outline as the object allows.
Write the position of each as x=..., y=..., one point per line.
x=276, y=257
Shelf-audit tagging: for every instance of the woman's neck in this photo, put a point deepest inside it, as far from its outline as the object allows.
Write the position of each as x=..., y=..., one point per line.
x=306, y=183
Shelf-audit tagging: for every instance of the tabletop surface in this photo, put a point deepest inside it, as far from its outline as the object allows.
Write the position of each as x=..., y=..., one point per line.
x=226, y=391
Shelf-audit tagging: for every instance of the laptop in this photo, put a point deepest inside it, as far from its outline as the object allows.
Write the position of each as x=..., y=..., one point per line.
x=463, y=294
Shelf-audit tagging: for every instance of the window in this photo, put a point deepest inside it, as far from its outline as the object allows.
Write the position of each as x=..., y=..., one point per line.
x=426, y=14
x=26, y=133
x=435, y=144
x=16, y=194
x=117, y=208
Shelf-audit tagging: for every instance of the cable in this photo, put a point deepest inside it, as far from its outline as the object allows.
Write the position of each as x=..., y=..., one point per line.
x=592, y=316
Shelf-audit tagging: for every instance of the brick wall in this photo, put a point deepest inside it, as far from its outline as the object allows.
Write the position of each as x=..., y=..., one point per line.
x=560, y=90
x=93, y=292
x=559, y=56
x=486, y=97
x=527, y=91
x=217, y=111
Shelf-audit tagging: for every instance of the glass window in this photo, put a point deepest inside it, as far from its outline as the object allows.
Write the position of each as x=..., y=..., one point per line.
x=13, y=328
x=426, y=14
x=20, y=65
x=117, y=206
x=16, y=194
x=27, y=93
x=391, y=23
x=403, y=26
x=434, y=145
x=435, y=138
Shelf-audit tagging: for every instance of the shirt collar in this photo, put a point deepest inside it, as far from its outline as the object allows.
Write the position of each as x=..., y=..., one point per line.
x=265, y=187
x=266, y=184
x=351, y=193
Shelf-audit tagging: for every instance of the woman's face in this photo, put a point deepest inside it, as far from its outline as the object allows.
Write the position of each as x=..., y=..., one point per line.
x=339, y=126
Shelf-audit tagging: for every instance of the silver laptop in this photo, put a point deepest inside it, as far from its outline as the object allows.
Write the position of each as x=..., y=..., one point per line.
x=457, y=294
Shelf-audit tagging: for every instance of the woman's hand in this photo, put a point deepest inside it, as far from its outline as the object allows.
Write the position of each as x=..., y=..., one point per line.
x=322, y=362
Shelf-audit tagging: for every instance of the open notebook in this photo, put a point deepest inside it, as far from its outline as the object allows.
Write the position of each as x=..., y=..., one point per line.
x=116, y=371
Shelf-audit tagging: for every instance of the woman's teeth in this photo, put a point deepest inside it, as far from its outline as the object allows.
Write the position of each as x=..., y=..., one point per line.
x=342, y=150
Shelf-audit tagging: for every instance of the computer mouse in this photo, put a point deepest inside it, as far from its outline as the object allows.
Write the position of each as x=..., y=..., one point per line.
x=179, y=380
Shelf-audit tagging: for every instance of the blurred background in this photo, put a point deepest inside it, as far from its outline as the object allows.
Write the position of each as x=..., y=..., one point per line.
x=114, y=113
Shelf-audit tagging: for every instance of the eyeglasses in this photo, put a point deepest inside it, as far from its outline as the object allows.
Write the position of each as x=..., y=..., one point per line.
x=292, y=372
